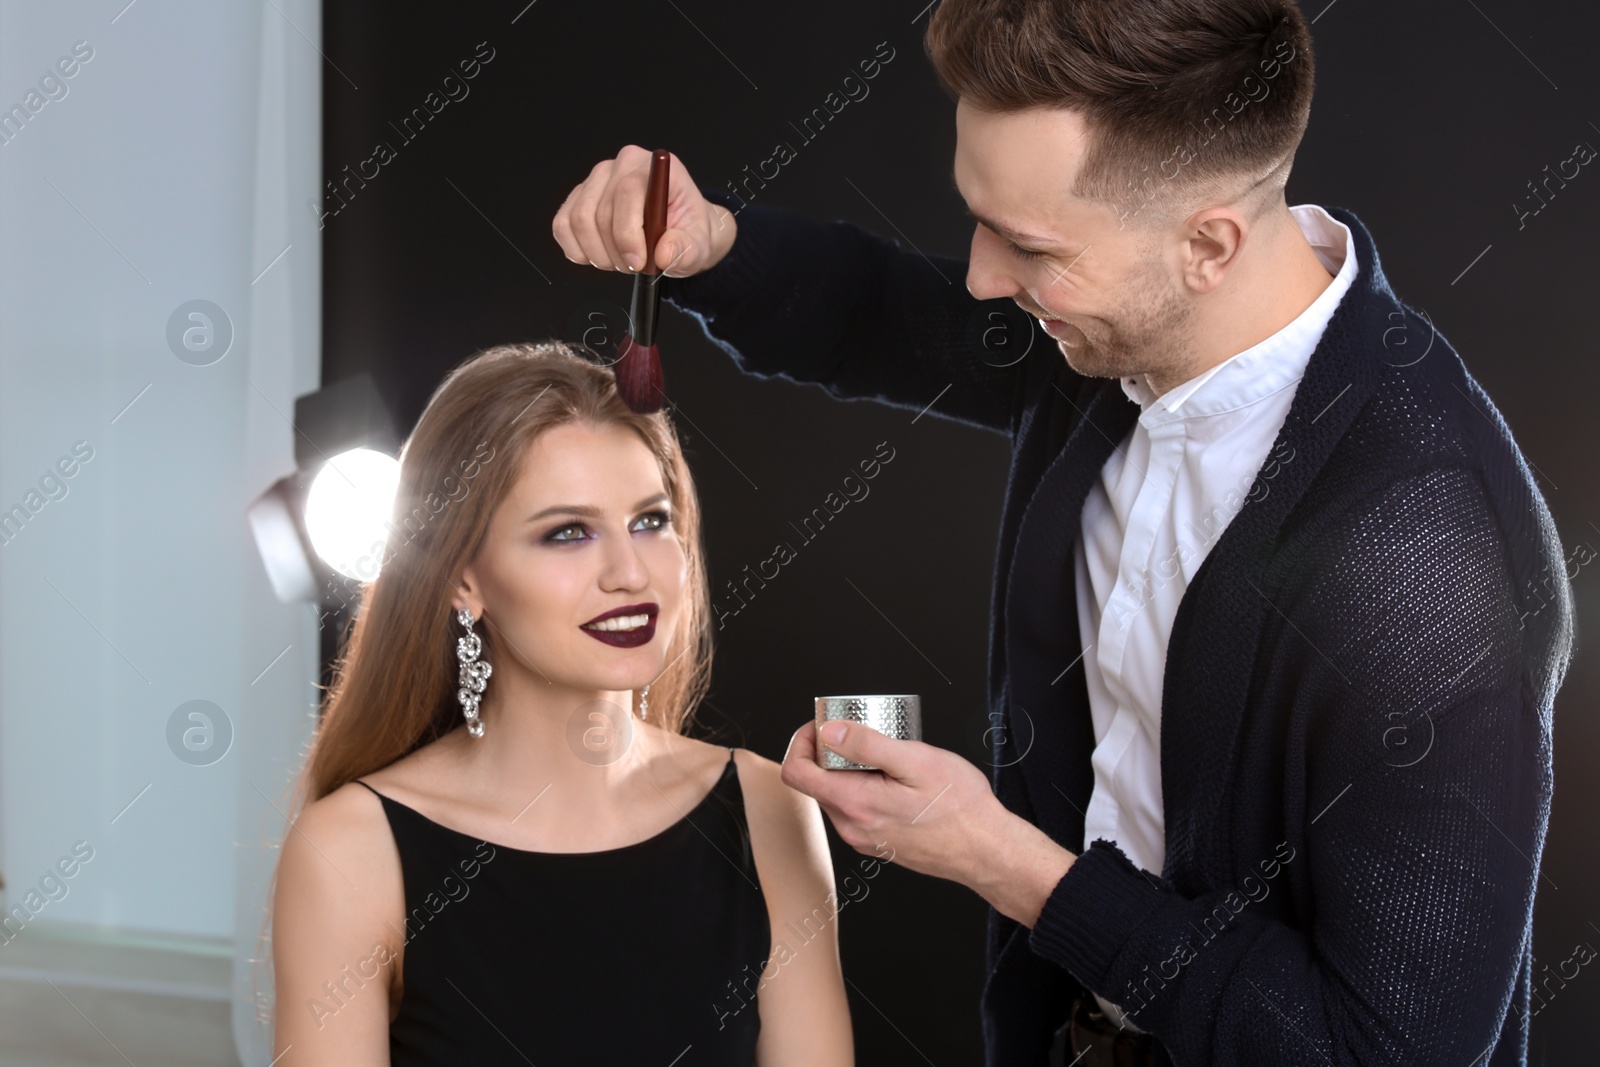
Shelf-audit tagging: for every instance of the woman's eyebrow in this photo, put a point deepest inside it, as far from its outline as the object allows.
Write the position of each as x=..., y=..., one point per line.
x=590, y=511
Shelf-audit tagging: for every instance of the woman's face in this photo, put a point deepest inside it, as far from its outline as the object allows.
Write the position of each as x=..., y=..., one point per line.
x=586, y=528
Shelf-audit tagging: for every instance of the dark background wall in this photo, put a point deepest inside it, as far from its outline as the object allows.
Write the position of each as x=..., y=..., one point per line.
x=1429, y=122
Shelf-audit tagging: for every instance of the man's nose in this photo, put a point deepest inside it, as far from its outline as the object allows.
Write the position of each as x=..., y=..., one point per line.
x=986, y=275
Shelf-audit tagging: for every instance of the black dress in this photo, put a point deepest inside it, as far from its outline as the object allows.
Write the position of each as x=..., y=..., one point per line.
x=651, y=953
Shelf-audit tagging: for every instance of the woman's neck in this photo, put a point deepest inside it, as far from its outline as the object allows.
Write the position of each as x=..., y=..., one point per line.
x=577, y=763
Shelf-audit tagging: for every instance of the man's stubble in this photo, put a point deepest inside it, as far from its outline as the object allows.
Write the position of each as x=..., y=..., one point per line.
x=1152, y=332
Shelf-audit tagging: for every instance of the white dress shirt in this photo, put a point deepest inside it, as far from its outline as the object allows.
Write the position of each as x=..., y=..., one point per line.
x=1162, y=499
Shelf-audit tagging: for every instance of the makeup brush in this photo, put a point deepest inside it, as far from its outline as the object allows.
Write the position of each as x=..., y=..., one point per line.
x=638, y=368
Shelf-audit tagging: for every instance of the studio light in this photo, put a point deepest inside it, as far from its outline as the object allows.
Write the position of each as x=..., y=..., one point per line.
x=327, y=518
x=348, y=509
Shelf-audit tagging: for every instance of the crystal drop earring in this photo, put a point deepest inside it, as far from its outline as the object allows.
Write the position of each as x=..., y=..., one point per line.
x=474, y=673
x=644, y=702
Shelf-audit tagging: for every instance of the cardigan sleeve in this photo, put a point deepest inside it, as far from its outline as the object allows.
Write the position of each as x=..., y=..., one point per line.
x=834, y=305
x=1421, y=870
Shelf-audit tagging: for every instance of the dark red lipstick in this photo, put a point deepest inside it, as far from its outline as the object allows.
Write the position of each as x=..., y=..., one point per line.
x=631, y=638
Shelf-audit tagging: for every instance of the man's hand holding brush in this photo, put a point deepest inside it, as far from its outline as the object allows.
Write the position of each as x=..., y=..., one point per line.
x=601, y=222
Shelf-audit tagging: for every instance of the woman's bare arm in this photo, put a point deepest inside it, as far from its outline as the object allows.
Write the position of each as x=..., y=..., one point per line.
x=335, y=940
x=805, y=1016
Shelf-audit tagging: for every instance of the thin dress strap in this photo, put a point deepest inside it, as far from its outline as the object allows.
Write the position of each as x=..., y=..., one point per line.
x=369, y=788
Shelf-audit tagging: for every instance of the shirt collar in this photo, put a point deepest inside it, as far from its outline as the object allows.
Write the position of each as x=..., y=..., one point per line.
x=1275, y=362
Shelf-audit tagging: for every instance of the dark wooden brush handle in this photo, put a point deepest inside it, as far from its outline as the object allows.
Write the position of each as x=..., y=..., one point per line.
x=655, y=208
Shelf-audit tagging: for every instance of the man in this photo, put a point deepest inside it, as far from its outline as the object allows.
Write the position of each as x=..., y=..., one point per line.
x=1271, y=680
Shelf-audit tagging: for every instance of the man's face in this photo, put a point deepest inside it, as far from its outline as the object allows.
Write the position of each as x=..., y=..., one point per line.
x=1108, y=293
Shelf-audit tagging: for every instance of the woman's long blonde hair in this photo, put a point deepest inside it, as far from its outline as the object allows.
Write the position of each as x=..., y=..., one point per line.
x=394, y=688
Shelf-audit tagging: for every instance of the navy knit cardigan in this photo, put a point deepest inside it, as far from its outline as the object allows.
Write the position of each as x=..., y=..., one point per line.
x=1356, y=705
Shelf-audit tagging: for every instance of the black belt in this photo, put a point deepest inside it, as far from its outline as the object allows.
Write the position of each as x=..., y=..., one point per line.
x=1092, y=1040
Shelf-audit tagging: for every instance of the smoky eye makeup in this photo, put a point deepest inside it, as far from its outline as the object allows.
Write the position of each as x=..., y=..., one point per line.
x=555, y=536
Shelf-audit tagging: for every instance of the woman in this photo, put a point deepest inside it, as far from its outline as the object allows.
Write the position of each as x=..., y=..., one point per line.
x=510, y=851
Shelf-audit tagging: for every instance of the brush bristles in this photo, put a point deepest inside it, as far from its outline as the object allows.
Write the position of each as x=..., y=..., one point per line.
x=638, y=372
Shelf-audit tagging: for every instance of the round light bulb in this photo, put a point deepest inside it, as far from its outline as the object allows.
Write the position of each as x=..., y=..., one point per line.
x=347, y=509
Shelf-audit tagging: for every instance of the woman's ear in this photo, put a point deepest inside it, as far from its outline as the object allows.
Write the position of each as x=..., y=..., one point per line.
x=466, y=595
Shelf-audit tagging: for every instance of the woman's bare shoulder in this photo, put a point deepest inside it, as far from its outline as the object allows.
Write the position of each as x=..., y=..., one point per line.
x=763, y=776
x=787, y=834
x=337, y=903
x=341, y=837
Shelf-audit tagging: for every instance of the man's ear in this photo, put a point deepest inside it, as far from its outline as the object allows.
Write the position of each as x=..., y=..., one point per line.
x=1216, y=236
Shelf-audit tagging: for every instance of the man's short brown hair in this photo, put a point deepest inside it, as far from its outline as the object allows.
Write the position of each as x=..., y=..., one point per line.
x=1180, y=96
